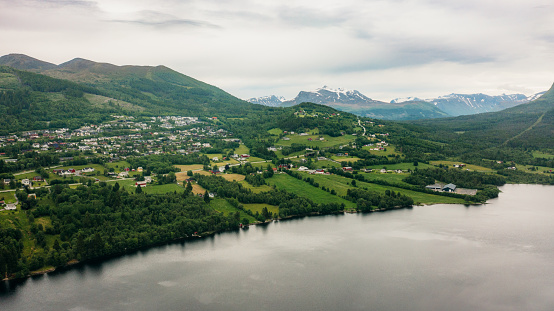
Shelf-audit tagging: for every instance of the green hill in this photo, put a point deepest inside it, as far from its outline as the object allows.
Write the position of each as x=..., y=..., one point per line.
x=528, y=125
x=83, y=89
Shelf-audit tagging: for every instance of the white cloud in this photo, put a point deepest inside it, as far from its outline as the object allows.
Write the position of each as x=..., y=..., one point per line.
x=383, y=48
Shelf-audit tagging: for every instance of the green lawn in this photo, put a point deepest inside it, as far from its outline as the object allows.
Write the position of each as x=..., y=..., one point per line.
x=8, y=197
x=471, y=167
x=299, y=187
x=222, y=206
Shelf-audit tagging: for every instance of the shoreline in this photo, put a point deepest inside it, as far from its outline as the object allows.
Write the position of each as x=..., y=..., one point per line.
x=75, y=262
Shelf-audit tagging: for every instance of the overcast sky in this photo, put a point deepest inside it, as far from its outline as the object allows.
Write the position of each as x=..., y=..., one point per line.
x=385, y=49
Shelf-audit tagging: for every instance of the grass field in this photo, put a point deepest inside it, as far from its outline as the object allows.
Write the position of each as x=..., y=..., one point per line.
x=161, y=189
x=538, y=154
x=390, y=151
x=8, y=197
x=232, y=177
x=471, y=167
x=275, y=131
x=345, y=159
x=341, y=185
x=539, y=169
x=299, y=187
x=315, y=142
x=401, y=166
x=262, y=188
x=193, y=167
x=242, y=149
x=222, y=206
x=118, y=166
x=197, y=189
x=389, y=177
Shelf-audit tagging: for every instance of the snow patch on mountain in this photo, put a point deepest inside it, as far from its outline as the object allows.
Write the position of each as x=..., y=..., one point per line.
x=271, y=100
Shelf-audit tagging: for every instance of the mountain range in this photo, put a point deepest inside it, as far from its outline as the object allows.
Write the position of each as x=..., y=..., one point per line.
x=410, y=108
x=42, y=95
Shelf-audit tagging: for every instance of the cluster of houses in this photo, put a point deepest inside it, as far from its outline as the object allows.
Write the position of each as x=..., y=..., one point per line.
x=137, y=141
x=72, y=171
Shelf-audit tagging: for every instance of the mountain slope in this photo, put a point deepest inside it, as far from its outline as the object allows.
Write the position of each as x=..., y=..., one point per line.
x=24, y=62
x=359, y=104
x=461, y=104
x=155, y=90
x=525, y=125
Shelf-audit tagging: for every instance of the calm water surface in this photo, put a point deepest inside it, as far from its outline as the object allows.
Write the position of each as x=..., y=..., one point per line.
x=498, y=256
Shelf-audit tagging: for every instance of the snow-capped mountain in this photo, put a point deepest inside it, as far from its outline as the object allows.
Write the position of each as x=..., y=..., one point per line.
x=328, y=96
x=466, y=104
x=357, y=103
x=406, y=99
x=271, y=100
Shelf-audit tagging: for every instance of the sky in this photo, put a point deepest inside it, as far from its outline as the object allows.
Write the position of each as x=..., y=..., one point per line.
x=385, y=49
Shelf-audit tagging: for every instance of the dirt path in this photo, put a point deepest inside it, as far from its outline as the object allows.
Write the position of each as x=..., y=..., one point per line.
x=539, y=120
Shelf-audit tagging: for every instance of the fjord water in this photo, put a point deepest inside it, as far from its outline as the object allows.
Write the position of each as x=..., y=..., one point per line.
x=498, y=256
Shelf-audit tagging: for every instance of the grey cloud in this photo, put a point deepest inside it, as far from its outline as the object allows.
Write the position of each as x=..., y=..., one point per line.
x=309, y=17
x=158, y=19
x=413, y=54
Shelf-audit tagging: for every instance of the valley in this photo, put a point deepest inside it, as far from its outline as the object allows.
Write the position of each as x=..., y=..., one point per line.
x=98, y=160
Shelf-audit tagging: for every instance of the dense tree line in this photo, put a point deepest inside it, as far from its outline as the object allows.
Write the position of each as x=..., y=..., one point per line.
x=459, y=177
x=289, y=204
x=101, y=220
x=367, y=201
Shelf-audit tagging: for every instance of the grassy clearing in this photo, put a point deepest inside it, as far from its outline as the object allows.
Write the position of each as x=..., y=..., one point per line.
x=471, y=167
x=538, y=154
x=233, y=177
x=259, y=207
x=161, y=189
x=345, y=159
x=275, y=131
x=400, y=166
x=193, y=167
x=222, y=206
x=389, y=177
x=391, y=150
x=529, y=169
x=299, y=187
x=262, y=188
x=8, y=197
x=315, y=142
x=242, y=149
x=197, y=189
x=118, y=166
